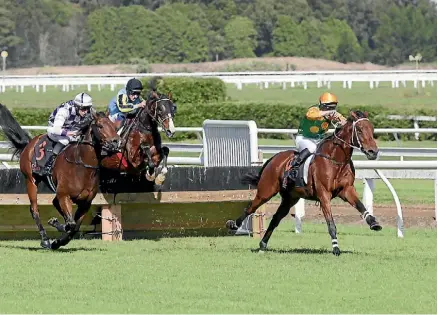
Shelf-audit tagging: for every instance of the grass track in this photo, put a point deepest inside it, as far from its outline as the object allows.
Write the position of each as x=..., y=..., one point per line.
x=360, y=94
x=377, y=273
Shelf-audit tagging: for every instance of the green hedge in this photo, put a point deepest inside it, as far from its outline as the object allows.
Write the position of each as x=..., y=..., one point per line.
x=265, y=115
x=191, y=90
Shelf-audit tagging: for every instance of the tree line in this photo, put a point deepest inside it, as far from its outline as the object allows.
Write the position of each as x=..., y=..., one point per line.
x=62, y=32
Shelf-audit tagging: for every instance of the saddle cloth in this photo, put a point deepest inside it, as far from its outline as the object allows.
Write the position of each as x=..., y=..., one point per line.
x=43, y=150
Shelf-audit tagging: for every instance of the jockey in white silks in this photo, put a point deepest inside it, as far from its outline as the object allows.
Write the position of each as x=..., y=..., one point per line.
x=64, y=122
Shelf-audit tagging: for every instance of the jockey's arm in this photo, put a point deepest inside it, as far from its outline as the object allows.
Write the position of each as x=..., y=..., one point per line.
x=125, y=105
x=58, y=123
x=314, y=113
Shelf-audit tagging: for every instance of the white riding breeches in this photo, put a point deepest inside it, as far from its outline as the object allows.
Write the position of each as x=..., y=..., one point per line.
x=303, y=143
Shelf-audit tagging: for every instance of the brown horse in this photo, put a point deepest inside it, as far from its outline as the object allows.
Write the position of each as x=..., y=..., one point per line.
x=331, y=174
x=141, y=142
x=75, y=171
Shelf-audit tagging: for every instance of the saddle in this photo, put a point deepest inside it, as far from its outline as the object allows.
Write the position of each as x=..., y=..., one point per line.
x=301, y=179
x=43, y=150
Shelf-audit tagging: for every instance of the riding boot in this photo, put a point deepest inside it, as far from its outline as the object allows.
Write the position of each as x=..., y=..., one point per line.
x=49, y=164
x=292, y=173
x=56, y=150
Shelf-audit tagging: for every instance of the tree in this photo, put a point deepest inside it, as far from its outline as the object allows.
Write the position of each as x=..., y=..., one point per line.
x=288, y=39
x=8, y=39
x=240, y=38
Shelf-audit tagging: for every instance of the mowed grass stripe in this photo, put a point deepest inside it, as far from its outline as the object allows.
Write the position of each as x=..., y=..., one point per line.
x=377, y=273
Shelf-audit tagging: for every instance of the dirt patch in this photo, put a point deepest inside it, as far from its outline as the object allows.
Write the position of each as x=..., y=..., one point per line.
x=413, y=216
x=300, y=63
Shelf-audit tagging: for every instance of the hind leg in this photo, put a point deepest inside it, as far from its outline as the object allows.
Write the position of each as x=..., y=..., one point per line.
x=68, y=236
x=256, y=203
x=282, y=211
x=32, y=193
x=349, y=194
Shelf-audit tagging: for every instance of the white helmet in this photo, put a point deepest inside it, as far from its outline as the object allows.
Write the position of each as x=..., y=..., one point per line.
x=83, y=100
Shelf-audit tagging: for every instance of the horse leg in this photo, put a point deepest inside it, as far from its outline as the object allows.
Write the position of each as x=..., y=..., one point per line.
x=164, y=154
x=349, y=194
x=54, y=221
x=66, y=206
x=83, y=208
x=150, y=173
x=324, y=198
x=32, y=193
x=258, y=201
x=282, y=211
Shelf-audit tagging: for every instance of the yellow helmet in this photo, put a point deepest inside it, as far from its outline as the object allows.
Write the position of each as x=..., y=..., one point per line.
x=328, y=100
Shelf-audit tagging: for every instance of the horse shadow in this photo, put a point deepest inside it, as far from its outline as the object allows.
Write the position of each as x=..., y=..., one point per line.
x=61, y=250
x=306, y=251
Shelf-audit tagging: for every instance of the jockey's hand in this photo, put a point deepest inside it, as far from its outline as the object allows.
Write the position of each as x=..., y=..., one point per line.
x=72, y=133
x=142, y=104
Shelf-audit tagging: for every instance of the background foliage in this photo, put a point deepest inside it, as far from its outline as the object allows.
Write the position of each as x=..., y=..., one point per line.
x=62, y=32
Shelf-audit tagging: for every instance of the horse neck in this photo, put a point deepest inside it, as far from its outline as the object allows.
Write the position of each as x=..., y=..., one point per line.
x=341, y=148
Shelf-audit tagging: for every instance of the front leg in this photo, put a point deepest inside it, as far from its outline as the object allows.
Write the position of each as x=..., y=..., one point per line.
x=164, y=154
x=324, y=198
x=150, y=172
x=349, y=194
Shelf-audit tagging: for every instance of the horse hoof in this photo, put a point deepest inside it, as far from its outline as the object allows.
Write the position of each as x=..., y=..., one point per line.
x=159, y=180
x=375, y=227
x=46, y=244
x=263, y=246
x=55, y=245
x=336, y=251
x=52, y=221
x=231, y=225
x=150, y=177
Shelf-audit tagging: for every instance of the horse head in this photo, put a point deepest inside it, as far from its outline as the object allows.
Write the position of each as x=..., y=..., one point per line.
x=101, y=129
x=162, y=110
x=358, y=132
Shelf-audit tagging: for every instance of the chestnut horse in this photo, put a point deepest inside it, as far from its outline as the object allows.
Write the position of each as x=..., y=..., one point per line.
x=331, y=174
x=141, y=142
x=75, y=172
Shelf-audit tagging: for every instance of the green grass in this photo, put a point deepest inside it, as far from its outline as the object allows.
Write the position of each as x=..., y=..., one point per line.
x=376, y=273
x=54, y=96
x=360, y=94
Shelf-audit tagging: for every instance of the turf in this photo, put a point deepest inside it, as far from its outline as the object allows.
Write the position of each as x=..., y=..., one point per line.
x=376, y=273
x=398, y=98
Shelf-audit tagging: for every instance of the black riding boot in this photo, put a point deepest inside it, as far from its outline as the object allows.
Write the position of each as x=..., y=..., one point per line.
x=292, y=173
x=56, y=150
x=49, y=164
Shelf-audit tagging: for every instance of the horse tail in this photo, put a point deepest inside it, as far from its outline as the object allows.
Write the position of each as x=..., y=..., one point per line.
x=252, y=179
x=13, y=131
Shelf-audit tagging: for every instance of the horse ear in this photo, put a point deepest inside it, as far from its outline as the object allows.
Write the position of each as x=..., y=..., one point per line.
x=154, y=94
x=353, y=114
x=365, y=114
x=169, y=95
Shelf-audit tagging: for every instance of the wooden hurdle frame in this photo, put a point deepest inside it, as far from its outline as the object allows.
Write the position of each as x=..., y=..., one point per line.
x=112, y=206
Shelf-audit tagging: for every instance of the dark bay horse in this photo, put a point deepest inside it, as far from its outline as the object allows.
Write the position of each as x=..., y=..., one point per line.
x=331, y=174
x=141, y=141
x=75, y=172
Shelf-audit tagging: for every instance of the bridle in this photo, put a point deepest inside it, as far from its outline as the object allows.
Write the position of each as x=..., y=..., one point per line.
x=154, y=112
x=354, y=136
